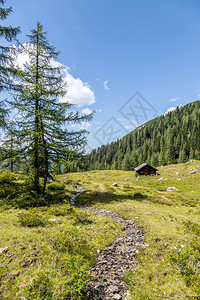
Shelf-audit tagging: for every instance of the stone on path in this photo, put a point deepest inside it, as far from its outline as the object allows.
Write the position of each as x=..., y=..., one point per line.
x=117, y=297
x=112, y=263
x=113, y=289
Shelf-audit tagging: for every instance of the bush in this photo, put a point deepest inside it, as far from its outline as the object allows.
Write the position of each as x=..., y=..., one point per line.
x=68, y=181
x=192, y=227
x=83, y=218
x=54, y=186
x=32, y=218
x=138, y=195
x=28, y=200
x=54, y=197
x=72, y=277
x=72, y=286
x=186, y=261
x=61, y=211
x=41, y=287
x=71, y=241
x=7, y=177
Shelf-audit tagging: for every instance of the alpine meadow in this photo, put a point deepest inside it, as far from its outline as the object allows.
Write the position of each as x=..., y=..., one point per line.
x=90, y=217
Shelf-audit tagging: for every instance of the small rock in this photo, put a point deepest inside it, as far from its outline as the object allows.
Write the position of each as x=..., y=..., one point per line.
x=172, y=188
x=55, y=220
x=113, y=289
x=7, y=274
x=117, y=297
x=190, y=161
x=193, y=172
x=4, y=250
x=115, y=261
x=1, y=266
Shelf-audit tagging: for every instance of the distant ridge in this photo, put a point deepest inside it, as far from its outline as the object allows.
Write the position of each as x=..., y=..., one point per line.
x=170, y=138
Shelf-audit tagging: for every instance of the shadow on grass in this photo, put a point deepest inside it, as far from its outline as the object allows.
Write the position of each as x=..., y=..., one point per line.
x=21, y=195
x=89, y=198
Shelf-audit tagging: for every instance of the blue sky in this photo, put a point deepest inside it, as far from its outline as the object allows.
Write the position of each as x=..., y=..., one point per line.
x=116, y=48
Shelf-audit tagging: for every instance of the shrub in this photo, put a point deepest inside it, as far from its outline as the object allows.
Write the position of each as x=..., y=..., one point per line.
x=72, y=278
x=7, y=177
x=192, y=227
x=83, y=218
x=28, y=200
x=138, y=195
x=75, y=278
x=71, y=241
x=41, y=287
x=186, y=261
x=31, y=218
x=54, y=197
x=54, y=186
x=61, y=211
x=68, y=181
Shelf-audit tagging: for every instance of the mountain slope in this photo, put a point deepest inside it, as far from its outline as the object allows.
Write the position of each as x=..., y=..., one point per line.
x=165, y=140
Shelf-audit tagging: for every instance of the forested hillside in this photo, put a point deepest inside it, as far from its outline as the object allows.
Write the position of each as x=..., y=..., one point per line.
x=165, y=140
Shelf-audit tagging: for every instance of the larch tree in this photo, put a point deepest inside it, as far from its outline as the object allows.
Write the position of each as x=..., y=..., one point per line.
x=8, y=33
x=42, y=124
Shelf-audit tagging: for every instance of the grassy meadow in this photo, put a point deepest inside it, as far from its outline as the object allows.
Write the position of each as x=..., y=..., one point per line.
x=46, y=252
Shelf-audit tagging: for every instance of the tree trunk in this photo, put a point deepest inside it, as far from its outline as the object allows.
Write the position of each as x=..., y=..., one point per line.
x=36, y=146
x=46, y=165
x=46, y=159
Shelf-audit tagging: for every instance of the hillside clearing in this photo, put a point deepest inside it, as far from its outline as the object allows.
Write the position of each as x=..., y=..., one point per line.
x=42, y=261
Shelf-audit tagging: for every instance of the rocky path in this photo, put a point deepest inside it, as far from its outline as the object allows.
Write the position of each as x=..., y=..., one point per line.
x=112, y=263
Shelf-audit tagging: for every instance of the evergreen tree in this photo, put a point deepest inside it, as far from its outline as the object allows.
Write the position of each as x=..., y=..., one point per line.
x=9, y=149
x=183, y=155
x=42, y=127
x=165, y=140
x=126, y=162
x=8, y=33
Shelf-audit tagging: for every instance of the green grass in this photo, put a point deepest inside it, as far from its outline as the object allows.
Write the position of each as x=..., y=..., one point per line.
x=171, y=221
x=51, y=260
x=48, y=259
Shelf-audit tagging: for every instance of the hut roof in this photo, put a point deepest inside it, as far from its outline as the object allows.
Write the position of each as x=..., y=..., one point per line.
x=142, y=166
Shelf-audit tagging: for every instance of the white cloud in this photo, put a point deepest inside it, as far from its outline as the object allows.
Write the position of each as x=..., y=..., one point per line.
x=130, y=127
x=86, y=111
x=106, y=85
x=78, y=92
x=22, y=59
x=172, y=109
x=84, y=125
x=174, y=99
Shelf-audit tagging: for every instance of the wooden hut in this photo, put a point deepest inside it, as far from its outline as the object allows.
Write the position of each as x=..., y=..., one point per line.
x=145, y=169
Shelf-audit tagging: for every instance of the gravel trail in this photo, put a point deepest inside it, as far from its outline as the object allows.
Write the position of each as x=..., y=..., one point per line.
x=112, y=263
